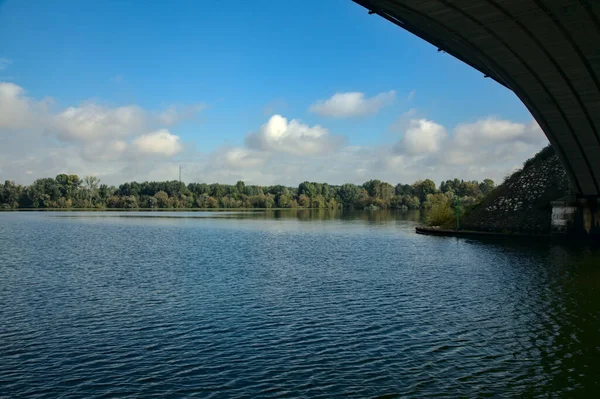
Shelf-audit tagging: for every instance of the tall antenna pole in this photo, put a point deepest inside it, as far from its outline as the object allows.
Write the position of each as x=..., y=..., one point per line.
x=180, y=173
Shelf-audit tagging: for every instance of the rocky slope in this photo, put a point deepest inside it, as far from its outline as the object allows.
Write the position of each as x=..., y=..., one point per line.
x=522, y=202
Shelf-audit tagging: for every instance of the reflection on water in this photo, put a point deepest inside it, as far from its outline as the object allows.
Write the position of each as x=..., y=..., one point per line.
x=303, y=303
x=384, y=215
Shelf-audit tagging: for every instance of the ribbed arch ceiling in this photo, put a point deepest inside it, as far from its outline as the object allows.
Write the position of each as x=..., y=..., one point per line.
x=546, y=51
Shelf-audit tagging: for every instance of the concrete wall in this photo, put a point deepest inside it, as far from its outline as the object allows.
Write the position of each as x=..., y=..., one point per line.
x=563, y=217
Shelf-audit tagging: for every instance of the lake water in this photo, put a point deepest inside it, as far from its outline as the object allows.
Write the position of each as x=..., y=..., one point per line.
x=288, y=305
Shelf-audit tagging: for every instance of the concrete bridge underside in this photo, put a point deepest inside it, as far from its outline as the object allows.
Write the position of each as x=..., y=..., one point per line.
x=546, y=51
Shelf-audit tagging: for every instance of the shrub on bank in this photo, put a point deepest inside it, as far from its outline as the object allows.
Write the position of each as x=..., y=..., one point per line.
x=439, y=210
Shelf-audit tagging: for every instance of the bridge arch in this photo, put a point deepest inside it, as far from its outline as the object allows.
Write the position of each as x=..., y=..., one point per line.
x=546, y=52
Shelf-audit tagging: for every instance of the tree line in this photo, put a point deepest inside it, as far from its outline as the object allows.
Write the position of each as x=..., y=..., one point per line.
x=71, y=191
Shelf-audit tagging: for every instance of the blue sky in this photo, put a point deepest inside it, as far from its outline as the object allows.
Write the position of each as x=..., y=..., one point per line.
x=227, y=68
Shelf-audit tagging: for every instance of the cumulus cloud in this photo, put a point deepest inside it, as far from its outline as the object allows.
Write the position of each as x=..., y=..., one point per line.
x=488, y=136
x=90, y=122
x=17, y=110
x=161, y=142
x=423, y=137
x=349, y=164
x=493, y=130
x=427, y=149
x=352, y=104
x=125, y=143
x=489, y=147
x=110, y=150
x=293, y=137
x=243, y=158
x=93, y=122
x=14, y=107
x=492, y=140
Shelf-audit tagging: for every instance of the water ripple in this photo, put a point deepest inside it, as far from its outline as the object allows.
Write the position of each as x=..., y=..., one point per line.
x=108, y=307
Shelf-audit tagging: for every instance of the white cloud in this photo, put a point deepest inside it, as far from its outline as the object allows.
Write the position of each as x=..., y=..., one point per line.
x=492, y=130
x=91, y=122
x=110, y=150
x=423, y=137
x=358, y=164
x=351, y=104
x=18, y=111
x=128, y=143
x=293, y=137
x=403, y=122
x=118, y=143
x=484, y=142
x=161, y=142
x=88, y=122
x=457, y=157
x=14, y=107
x=492, y=140
x=244, y=158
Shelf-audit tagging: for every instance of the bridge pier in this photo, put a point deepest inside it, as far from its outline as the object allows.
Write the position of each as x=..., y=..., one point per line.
x=578, y=217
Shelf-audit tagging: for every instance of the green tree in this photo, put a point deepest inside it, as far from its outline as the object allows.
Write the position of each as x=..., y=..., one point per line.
x=105, y=191
x=114, y=201
x=91, y=182
x=162, y=199
x=10, y=195
x=487, y=186
x=318, y=201
x=70, y=191
x=199, y=188
x=423, y=188
x=253, y=190
x=241, y=187
x=349, y=194
x=411, y=201
x=68, y=185
x=404, y=189
x=440, y=212
x=386, y=192
x=332, y=203
x=91, y=185
x=43, y=193
x=304, y=201
x=269, y=201
x=308, y=189
x=151, y=202
x=284, y=201
x=217, y=190
x=373, y=188
x=130, y=202
x=364, y=198
x=212, y=202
